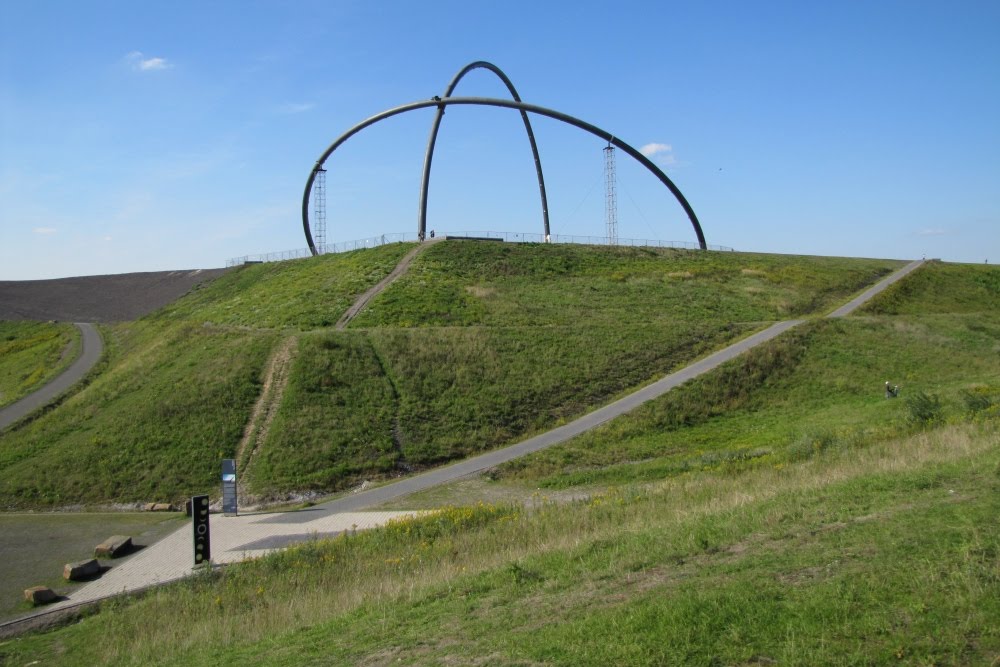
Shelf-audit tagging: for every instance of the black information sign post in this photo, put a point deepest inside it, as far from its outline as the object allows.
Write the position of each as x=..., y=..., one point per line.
x=202, y=543
x=229, y=487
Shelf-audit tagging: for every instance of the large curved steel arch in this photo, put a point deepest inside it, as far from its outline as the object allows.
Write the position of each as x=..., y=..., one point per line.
x=425, y=181
x=509, y=104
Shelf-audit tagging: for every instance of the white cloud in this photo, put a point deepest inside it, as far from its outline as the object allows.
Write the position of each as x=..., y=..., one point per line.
x=45, y=231
x=649, y=150
x=662, y=153
x=292, y=107
x=142, y=64
x=932, y=232
x=107, y=238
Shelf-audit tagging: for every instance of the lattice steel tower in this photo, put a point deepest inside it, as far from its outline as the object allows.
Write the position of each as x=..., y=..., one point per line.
x=611, y=197
x=319, y=206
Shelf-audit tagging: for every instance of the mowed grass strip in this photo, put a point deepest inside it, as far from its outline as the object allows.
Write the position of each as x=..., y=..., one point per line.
x=869, y=556
x=153, y=425
x=31, y=354
x=460, y=283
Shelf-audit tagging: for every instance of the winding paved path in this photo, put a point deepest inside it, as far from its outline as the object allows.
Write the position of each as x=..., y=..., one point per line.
x=247, y=536
x=878, y=287
x=93, y=348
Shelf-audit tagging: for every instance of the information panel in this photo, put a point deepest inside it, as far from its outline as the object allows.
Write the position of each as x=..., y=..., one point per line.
x=229, y=487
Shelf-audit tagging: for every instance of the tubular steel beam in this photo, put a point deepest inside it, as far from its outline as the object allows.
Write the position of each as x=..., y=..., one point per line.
x=435, y=126
x=508, y=104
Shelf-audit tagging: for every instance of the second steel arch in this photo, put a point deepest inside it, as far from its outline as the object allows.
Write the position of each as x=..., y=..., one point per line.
x=509, y=104
x=429, y=156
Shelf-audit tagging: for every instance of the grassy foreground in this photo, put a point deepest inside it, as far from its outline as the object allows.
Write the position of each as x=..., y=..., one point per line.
x=31, y=354
x=865, y=555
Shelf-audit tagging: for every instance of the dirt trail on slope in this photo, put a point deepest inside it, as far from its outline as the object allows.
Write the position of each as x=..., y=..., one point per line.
x=259, y=425
x=401, y=268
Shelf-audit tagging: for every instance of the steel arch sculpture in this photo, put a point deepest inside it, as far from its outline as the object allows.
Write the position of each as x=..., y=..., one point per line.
x=509, y=104
x=429, y=156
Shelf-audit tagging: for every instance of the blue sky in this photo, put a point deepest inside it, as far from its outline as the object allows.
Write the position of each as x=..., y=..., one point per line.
x=151, y=136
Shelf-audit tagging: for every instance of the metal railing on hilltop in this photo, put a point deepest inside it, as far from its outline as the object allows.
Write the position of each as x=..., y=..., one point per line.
x=509, y=237
x=517, y=237
x=328, y=249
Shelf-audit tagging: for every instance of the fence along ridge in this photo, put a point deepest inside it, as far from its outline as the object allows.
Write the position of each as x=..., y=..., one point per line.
x=510, y=237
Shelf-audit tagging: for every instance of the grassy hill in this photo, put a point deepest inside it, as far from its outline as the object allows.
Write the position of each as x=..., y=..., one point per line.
x=479, y=345
x=175, y=390
x=32, y=353
x=779, y=510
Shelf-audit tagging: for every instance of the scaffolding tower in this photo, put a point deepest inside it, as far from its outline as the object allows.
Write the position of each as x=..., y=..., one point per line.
x=319, y=206
x=611, y=197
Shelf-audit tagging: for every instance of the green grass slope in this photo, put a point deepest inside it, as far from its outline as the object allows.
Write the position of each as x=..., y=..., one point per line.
x=176, y=388
x=469, y=283
x=301, y=293
x=361, y=405
x=818, y=384
x=31, y=354
x=480, y=345
x=942, y=288
x=866, y=534
x=477, y=346
x=168, y=405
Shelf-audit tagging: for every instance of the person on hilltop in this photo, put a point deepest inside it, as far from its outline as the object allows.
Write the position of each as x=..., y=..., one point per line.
x=891, y=390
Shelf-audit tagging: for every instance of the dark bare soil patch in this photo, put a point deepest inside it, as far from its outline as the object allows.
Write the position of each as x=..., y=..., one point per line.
x=112, y=298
